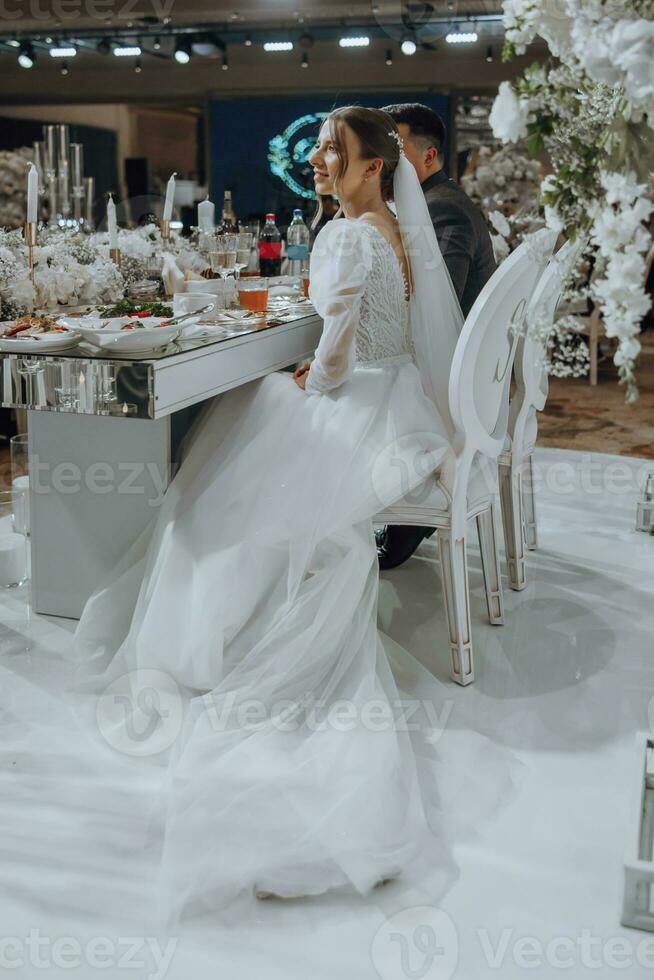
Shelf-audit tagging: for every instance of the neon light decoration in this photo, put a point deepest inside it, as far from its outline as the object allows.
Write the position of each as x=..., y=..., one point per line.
x=288, y=151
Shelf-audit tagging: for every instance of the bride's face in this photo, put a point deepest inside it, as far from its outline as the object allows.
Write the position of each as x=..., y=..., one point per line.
x=327, y=163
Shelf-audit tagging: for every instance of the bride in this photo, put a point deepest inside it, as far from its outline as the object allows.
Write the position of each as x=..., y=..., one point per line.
x=239, y=637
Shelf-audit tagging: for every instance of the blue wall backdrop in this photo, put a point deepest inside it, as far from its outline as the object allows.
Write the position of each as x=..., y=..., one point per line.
x=241, y=135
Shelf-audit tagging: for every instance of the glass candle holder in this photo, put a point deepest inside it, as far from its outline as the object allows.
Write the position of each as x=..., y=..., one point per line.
x=20, y=481
x=13, y=544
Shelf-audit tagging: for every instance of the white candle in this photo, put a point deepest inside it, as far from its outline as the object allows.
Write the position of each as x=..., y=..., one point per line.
x=111, y=223
x=21, y=484
x=206, y=215
x=170, y=198
x=32, y=192
x=13, y=559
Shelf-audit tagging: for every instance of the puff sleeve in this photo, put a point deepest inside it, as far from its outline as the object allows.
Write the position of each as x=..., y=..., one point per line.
x=340, y=263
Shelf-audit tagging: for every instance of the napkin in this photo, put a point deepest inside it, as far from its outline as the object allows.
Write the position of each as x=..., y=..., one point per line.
x=173, y=278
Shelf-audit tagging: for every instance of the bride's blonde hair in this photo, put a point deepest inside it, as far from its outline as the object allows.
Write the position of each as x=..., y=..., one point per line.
x=378, y=136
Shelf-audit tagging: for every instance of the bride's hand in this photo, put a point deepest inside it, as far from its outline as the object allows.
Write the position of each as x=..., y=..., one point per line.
x=300, y=375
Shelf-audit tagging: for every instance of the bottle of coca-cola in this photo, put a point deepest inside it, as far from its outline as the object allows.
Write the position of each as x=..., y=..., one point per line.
x=270, y=248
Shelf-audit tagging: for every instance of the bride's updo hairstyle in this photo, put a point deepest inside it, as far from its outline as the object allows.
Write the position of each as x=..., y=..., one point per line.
x=373, y=129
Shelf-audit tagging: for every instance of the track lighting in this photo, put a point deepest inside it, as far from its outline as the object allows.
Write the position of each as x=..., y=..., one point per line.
x=63, y=52
x=127, y=50
x=64, y=68
x=278, y=46
x=305, y=60
x=461, y=37
x=389, y=57
x=354, y=41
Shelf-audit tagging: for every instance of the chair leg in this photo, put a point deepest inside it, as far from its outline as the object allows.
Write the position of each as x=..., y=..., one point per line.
x=593, y=344
x=490, y=565
x=514, y=542
x=529, y=505
x=454, y=571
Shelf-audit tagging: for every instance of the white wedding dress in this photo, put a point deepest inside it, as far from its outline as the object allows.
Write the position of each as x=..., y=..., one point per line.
x=289, y=761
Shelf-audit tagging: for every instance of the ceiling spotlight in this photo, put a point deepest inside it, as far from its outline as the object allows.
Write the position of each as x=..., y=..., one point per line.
x=26, y=56
x=103, y=46
x=305, y=41
x=461, y=37
x=248, y=41
x=127, y=50
x=389, y=57
x=489, y=53
x=354, y=41
x=156, y=44
x=305, y=60
x=13, y=43
x=64, y=68
x=182, y=52
x=138, y=67
x=225, y=64
x=278, y=46
x=408, y=46
x=48, y=40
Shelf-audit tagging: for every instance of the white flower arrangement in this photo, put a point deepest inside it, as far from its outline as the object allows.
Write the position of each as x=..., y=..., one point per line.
x=13, y=186
x=594, y=114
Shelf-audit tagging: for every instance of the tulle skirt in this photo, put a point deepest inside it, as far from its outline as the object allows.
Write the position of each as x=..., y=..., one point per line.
x=232, y=663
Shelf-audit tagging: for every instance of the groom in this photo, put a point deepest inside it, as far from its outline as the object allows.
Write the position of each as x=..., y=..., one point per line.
x=465, y=243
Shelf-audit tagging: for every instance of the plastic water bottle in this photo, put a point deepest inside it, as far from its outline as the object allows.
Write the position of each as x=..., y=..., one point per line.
x=298, y=239
x=270, y=248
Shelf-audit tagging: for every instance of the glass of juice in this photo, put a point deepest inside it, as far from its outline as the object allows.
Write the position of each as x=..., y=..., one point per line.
x=304, y=273
x=253, y=294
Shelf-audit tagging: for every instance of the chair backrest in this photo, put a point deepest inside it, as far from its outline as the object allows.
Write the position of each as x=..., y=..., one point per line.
x=530, y=370
x=483, y=360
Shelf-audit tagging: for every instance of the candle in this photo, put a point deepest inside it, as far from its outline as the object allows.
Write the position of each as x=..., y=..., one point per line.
x=206, y=215
x=39, y=156
x=170, y=198
x=32, y=193
x=111, y=223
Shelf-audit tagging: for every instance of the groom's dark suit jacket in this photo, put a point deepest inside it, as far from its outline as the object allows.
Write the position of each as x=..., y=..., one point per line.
x=462, y=235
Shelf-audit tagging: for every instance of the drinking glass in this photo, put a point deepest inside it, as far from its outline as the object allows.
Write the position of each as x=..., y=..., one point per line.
x=20, y=482
x=13, y=543
x=244, y=241
x=229, y=245
x=253, y=294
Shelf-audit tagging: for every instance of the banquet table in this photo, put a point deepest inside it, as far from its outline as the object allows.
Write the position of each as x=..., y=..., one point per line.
x=104, y=437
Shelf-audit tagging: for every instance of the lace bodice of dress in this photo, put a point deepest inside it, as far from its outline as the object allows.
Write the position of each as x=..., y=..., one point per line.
x=383, y=329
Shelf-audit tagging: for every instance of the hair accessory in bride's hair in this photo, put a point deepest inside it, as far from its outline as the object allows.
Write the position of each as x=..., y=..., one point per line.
x=398, y=139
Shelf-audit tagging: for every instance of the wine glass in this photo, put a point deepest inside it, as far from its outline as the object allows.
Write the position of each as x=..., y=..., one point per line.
x=243, y=249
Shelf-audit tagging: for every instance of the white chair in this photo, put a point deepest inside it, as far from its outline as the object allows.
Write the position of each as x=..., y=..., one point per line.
x=466, y=485
x=515, y=460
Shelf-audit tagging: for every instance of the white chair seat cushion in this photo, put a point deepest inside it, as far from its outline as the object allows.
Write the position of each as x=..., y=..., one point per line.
x=433, y=496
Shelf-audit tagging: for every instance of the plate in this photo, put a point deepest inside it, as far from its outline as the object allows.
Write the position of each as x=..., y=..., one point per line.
x=108, y=334
x=43, y=343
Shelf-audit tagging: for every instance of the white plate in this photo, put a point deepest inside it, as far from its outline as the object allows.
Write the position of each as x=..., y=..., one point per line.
x=107, y=334
x=44, y=343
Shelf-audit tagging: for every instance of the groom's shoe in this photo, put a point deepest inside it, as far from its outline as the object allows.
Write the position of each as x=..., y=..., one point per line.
x=396, y=544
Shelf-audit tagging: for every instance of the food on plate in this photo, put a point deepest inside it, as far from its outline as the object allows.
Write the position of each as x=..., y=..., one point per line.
x=34, y=327
x=126, y=307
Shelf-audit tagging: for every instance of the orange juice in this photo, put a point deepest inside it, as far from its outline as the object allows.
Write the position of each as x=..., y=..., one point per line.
x=305, y=286
x=255, y=300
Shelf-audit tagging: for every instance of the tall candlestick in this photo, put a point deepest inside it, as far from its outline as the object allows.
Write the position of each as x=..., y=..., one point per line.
x=32, y=194
x=30, y=241
x=89, y=188
x=64, y=143
x=49, y=147
x=111, y=223
x=78, y=165
x=206, y=215
x=170, y=198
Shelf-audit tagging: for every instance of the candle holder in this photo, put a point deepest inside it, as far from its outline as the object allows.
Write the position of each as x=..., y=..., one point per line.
x=114, y=255
x=30, y=241
x=165, y=234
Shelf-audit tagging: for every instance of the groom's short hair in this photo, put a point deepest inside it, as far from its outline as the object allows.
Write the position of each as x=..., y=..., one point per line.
x=425, y=126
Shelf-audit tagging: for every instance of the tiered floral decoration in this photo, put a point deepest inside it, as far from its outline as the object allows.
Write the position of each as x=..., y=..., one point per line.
x=13, y=186
x=592, y=109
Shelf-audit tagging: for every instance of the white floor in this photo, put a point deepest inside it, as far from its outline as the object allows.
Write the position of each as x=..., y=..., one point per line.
x=565, y=685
